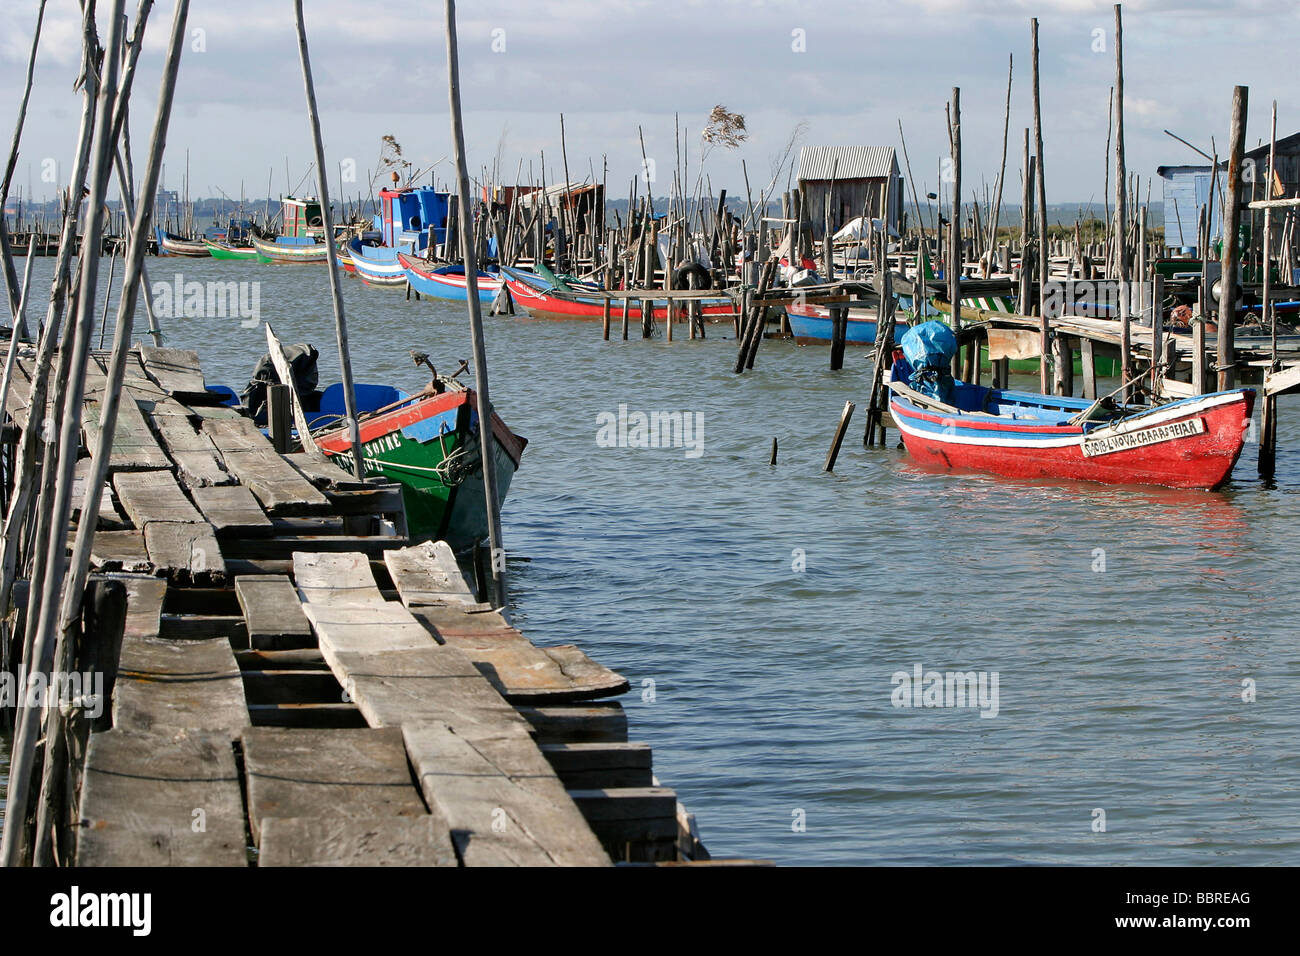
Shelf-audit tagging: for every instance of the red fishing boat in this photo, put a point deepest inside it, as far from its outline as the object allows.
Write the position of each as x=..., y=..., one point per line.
x=1190, y=443
x=553, y=303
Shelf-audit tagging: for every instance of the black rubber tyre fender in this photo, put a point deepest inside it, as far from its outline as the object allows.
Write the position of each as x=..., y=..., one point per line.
x=682, y=276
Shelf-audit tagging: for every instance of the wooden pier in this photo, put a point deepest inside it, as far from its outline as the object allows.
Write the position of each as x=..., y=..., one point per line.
x=289, y=681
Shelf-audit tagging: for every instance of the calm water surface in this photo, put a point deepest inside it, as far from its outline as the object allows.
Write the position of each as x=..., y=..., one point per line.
x=760, y=612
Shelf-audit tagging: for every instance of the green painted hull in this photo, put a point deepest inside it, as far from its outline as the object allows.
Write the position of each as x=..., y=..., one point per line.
x=248, y=254
x=441, y=480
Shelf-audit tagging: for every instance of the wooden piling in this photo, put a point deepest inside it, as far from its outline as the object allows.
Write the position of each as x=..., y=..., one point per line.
x=1121, y=213
x=1042, y=214
x=952, y=268
x=834, y=452
x=1231, y=245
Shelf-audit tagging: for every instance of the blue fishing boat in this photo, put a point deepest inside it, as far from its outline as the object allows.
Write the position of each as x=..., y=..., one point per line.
x=407, y=221
x=811, y=325
x=448, y=281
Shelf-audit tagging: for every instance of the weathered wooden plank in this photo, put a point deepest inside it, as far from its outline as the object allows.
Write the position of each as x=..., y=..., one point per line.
x=279, y=488
x=169, y=685
x=160, y=799
x=427, y=573
x=501, y=799
x=629, y=814
x=153, y=496
x=343, y=841
x=324, y=473
x=588, y=766
x=324, y=773
x=393, y=687
x=271, y=610
x=119, y=551
x=596, y=722
x=233, y=511
x=106, y=516
x=248, y=455
x=144, y=604
x=520, y=671
x=134, y=445
x=198, y=464
x=385, y=659
x=186, y=549
x=176, y=371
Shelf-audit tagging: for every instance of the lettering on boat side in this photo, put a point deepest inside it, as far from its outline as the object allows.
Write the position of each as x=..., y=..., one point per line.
x=656, y=429
x=922, y=688
x=1111, y=442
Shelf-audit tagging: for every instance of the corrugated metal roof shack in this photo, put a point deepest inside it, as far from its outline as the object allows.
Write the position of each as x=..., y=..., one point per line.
x=860, y=176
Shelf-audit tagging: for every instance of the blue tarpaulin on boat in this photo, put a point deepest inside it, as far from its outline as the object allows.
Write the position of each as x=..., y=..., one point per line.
x=929, y=349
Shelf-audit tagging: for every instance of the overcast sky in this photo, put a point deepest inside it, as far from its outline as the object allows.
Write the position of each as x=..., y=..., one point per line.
x=850, y=71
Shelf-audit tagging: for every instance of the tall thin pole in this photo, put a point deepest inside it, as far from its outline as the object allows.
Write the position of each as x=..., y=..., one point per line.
x=1042, y=219
x=475, y=318
x=1002, y=174
x=132, y=278
x=1270, y=314
x=1231, y=222
x=327, y=219
x=1121, y=212
x=25, y=740
x=10, y=274
x=954, y=223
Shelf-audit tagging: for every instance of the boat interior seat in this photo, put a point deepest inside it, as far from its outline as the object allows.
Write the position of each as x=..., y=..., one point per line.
x=369, y=398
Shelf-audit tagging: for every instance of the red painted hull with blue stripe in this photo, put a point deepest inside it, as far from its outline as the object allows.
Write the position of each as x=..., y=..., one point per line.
x=1192, y=443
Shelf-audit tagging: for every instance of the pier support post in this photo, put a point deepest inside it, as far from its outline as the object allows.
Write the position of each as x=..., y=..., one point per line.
x=1089, y=363
x=839, y=331
x=277, y=416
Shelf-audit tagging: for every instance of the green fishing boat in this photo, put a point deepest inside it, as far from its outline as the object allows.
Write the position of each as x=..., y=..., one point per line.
x=224, y=250
x=429, y=444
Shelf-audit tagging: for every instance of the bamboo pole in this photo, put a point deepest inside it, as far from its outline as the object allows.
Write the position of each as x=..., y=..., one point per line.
x=43, y=648
x=475, y=320
x=28, y=467
x=132, y=277
x=7, y=266
x=1002, y=173
x=336, y=291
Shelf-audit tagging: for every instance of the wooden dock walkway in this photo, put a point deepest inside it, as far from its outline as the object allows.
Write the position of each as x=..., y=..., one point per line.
x=293, y=682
